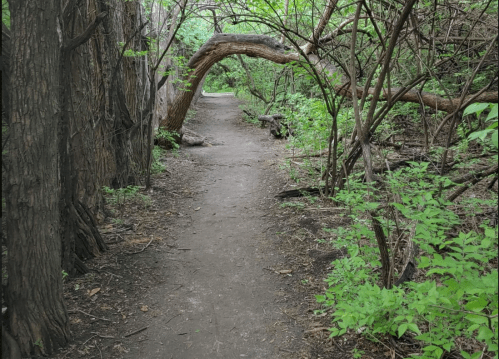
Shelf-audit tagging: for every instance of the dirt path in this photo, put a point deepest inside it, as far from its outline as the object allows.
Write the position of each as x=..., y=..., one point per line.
x=219, y=299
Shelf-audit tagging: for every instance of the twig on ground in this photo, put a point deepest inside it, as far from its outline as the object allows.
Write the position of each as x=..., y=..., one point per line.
x=103, y=336
x=73, y=311
x=282, y=310
x=143, y=249
x=135, y=332
x=315, y=330
x=168, y=321
x=337, y=346
x=86, y=341
x=179, y=286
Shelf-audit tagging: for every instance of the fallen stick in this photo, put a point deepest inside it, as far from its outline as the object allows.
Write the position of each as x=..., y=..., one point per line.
x=315, y=330
x=90, y=315
x=135, y=332
x=320, y=154
x=175, y=316
x=142, y=250
x=103, y=336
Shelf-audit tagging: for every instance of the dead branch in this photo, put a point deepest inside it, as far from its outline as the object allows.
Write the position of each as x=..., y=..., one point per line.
x=135, y=332
x=477, y=178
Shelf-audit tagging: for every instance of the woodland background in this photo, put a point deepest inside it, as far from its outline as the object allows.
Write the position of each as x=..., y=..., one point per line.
x=89, y=87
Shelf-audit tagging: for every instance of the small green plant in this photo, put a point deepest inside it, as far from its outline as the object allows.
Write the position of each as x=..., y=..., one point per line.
x=39, y=343
x=459, y=298
x=297, y=205
x=64, y=275
x=156, y=165
x=169, y=137
x=190, y=115
x=357, y=353
x=120, y=196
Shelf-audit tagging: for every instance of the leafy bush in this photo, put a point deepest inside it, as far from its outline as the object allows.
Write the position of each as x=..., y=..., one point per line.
x=459, y=298
x=169, y=137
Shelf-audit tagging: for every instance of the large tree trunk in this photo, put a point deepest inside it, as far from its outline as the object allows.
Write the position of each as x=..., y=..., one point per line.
x=37, y=316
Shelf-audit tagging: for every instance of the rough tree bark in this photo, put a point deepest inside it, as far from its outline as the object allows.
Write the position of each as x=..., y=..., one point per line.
x=78, y=232
x=37, y=315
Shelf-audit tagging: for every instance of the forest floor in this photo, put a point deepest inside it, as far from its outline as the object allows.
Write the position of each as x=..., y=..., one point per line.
x=212, y=266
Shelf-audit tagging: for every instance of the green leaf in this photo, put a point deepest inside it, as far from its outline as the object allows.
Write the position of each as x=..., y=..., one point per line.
x=484, y=333
x=494, y=125
x=494, y=139
x=424, y=262
x=402, y=329
x=493, y=113
x=320, y=298
x=399, y=318
x=476, y=305
x=475, y=108
x=478, y=319
x=473, y=328
x=414, y=328
x=447, y=346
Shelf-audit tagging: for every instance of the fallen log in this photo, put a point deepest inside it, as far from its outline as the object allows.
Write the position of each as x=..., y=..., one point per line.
x=277, y=129
x=300, y=192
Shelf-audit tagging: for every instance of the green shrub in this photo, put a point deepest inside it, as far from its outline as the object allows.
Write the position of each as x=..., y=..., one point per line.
x=459, y=298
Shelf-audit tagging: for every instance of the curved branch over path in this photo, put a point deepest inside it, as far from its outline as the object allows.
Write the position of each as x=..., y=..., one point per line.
x=223, y=45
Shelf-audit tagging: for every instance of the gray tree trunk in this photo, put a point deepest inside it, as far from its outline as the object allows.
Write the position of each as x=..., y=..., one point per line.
x=37, y=314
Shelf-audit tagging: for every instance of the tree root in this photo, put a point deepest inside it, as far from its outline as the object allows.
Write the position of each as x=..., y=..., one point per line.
x=10, y=348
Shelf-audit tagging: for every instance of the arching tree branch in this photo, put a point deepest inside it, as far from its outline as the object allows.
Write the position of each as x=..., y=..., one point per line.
x=223, y=45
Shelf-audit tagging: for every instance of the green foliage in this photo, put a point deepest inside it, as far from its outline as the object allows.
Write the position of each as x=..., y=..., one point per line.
x=131, y=52
x=182, y=81
x=194, y=33
x=297, y=205
x=156, y=165
x=492, y=117
x=460, y=296
x=169, y=137
x=190, y=115
x=357, y=353
x=121, y=196
x=39, y=343
x=5, y=13
x=309, y=120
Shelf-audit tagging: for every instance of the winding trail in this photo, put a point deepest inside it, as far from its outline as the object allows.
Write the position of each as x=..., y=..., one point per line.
x=220, y=300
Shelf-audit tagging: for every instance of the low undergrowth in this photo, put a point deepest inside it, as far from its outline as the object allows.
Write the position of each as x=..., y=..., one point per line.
x=442, y=296
x=452, y=304
x=120, y=198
